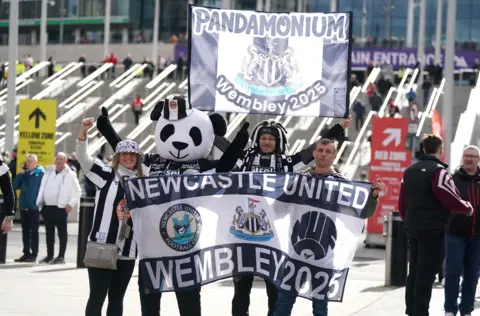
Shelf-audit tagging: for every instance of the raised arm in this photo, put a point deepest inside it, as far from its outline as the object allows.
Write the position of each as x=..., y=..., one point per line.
x=234, y=151
x=105, y=127
x=95, y=170
x=305, y=156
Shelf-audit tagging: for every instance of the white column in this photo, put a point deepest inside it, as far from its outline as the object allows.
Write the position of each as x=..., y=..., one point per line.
x=259, y=6
x=438, y=35
x=268, y=6
x=125, y=35
x=410, y=22
x=156, y=19
x=12, y=76
x=34, y=37
x=421, y=40
x=333, y=5
x=106, y=31
x=299, y=5
x=78, y=35
x=43, y=34
x=364, y=19
x=226, y=4
x=448, y=98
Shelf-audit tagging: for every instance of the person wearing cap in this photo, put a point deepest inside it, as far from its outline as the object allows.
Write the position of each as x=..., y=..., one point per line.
x=108, y=223
x=269, y=154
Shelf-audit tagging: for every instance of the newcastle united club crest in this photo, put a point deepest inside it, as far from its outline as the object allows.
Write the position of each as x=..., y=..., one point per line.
x=250, y=225
x=269, y=69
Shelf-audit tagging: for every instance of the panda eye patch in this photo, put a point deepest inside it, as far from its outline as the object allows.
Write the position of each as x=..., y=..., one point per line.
x=166, y=132
x=196, y=135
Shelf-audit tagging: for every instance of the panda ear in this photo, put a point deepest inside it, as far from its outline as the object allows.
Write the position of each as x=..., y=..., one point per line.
x=157, y=111
x=219, y=124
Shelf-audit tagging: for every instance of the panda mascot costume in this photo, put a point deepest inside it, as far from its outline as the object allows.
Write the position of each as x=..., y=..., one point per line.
x=184, y=137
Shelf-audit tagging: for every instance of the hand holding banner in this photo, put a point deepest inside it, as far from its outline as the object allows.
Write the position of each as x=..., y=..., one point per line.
x=297, y=231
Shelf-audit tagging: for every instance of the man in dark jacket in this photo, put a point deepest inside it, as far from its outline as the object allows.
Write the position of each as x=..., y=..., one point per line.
x=28, y=181
x=427, y=197
x=463, y=239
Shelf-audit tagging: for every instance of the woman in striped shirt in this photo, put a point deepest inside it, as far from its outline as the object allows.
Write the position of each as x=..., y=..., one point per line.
x=110, y=204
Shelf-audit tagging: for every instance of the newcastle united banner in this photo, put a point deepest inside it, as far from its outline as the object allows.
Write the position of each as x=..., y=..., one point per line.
x=294, y=64
x=297, y=231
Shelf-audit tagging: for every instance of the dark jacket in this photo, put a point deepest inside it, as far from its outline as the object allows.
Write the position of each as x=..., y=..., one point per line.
x=29, y=185
x=427, y=196
x=469, y=188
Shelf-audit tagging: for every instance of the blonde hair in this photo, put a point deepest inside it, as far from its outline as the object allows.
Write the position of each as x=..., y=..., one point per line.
x=138, y=166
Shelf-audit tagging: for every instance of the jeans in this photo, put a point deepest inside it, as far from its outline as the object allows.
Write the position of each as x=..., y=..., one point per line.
x=188, y=301
x=241, y=297
x=287, y=299
x=111, y=282
x=463, y=255
x=30, y=224
x=426, y=254
x=55, y=217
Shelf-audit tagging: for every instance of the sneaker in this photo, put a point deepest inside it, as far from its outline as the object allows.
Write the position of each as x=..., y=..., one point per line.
x=47, y=260
x=31, y=259
x=58, y=260
x=21, y=259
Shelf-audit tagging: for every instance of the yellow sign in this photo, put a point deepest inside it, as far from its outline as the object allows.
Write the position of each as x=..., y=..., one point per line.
x=37, y=131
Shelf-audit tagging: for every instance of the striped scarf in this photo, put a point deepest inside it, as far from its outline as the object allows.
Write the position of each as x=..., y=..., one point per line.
x=257, y=162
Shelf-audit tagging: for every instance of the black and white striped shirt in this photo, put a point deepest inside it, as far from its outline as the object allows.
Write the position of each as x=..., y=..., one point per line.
x=109, y=204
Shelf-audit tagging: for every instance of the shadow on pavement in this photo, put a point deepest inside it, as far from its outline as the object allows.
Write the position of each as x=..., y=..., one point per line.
x=16, y=266
x=56, y=270
x=379, y=289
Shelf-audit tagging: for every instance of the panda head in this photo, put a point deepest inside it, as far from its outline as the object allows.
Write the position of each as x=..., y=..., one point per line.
x=182, y=133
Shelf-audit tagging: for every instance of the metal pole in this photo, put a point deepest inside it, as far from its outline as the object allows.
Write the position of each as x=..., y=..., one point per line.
x=449, y=77
x=299, y=5
x=333, y=5
x=62, y=15
x=106, y=35
x=388, y=11
x=364, y=19
x=410, y=18
x=438, y=36
x=421, y=40
x=12, y=76
x=43, y=34
x=156, y=23
x=259, y=6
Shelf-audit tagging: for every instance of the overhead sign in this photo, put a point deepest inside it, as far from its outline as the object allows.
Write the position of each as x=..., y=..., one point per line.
x=37, y=131
x=294, y=64
x=389, y=160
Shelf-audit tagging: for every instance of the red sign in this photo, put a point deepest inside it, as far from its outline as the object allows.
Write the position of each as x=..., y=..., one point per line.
x=388, y=161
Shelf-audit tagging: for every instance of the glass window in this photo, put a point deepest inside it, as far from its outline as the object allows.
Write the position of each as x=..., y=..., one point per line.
x=244, y=4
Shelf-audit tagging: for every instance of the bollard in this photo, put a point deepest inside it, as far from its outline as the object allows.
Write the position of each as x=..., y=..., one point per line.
x=87, y=207
x=396, y=262
x=3, y=237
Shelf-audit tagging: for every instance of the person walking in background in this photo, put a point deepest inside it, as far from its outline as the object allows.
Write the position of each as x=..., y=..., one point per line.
x=359, y=110
x=59, y=195
x=463, y=239
x=110, y=210
x=137, y=108
x=28, y=181
x=426, y=199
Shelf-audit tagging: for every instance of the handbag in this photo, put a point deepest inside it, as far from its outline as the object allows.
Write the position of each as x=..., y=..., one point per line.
x=101, y=255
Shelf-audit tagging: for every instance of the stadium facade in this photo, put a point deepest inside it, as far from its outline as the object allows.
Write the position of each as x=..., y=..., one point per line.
x=82, y=21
